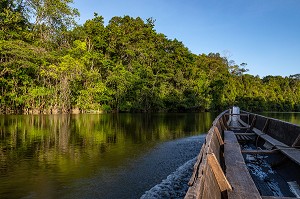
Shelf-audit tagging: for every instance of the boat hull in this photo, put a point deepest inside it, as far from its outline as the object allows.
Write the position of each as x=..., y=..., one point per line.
x=258, y=157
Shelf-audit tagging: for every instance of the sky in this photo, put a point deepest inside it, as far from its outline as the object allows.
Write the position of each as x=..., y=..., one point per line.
x=265, y=34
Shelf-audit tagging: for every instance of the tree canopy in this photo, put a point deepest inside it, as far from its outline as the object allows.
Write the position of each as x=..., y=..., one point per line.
x=48, y=64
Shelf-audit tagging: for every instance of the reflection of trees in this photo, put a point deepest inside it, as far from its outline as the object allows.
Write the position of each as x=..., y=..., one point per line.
x=63, y=141
x=64, y=133
x=289, y=117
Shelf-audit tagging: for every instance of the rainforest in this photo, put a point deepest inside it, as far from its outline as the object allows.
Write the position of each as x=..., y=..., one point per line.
x=50, y=64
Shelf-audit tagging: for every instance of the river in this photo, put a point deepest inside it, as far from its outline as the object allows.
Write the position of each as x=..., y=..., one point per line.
x=98, y=156
x=292, y=117
x=102, y=156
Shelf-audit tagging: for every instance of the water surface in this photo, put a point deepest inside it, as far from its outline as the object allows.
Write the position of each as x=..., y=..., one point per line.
x=292, y=117
x=95, y=156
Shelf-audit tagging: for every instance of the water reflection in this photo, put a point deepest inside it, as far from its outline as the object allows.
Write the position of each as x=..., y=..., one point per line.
x=40, y=155
x=292, y=117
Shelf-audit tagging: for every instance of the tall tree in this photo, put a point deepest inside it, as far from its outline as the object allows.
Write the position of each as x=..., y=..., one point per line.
x=13, y=21
x=51, y=18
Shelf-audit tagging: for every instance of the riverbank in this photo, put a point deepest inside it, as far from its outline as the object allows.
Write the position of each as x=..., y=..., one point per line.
x=55, y=111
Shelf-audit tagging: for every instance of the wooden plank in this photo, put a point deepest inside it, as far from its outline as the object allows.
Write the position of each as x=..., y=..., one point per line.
x=292, y=153
x=214, y=146
x=196, y=190
x=200, y=183
x=219, y=135
x=224, y=121
x=265, y=126
x=238, y=127
x=236, y=170
x=247, y=137
x=196, y=166
x=244, y=123
x=222, y=124
x=242, y=114
x=268, y=138
x=272, y=140
x=257, y=132
x=259, y=151
x=253, y=122
x=228, y=122
x=218, y=172
x=245, y=134
x=211, y=188
x=229, y=137
x=283, y=131
x=296, y=141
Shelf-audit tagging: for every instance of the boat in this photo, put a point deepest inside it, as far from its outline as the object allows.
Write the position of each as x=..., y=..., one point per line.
x=249, y=156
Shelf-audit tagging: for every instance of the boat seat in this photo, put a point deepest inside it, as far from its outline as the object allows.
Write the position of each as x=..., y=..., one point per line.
x=268, y=138
x=292, y=153
x=242, y=184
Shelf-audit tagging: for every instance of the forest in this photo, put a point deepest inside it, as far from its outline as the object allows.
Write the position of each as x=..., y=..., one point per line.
x=51, y=64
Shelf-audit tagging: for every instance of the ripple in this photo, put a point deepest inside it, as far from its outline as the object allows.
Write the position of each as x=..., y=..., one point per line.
x=175, y=185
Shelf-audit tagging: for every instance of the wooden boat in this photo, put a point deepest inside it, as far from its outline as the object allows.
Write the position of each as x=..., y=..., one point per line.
x=246, y=155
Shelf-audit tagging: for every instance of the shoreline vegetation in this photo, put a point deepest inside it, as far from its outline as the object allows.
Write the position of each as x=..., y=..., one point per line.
x=49, y=64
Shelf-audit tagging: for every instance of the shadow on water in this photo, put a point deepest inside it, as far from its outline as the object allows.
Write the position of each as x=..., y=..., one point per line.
x=92, y=156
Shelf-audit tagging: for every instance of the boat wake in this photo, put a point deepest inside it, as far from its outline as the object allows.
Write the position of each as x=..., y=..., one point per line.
x=175, y=185
x=164, y=171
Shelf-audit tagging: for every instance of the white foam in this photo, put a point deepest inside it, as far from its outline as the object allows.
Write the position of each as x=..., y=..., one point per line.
x=175, y=185
x=295, y=189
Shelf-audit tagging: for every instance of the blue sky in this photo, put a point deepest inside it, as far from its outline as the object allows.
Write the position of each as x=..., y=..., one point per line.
x=265, y=34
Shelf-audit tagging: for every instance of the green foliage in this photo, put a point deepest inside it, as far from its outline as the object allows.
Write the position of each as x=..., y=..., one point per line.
x=51, y=18
x=13, y=23
x=53, y=66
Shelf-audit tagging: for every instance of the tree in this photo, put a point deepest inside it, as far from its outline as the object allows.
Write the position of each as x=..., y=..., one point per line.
x=18, y=70
x=13, y=22
x=51, y=18
x=124, y=66
x=68, y=70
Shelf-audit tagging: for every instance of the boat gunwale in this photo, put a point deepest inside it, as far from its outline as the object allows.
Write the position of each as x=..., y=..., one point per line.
x=219, y=124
